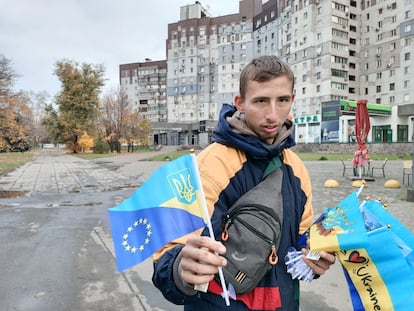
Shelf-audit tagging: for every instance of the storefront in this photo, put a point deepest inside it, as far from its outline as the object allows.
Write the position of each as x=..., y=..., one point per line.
x=338, y=117
x=337, y=124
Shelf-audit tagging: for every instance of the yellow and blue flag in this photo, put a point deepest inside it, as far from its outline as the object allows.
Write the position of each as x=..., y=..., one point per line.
x=380, y=276
x=339, y=228
x=167, y=206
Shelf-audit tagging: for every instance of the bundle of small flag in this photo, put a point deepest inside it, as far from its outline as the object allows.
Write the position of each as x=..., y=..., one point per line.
x=378, y=278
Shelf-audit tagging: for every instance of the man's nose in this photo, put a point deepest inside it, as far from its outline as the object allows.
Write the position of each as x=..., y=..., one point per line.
x=272, y=111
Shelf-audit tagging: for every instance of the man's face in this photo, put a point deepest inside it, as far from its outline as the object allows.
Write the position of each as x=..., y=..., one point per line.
x=266, y=106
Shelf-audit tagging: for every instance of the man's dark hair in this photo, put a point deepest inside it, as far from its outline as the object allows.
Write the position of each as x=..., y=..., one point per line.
x=264, y=68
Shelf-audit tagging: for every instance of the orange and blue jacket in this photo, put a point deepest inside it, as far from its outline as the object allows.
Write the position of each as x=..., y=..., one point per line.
x=229, y=167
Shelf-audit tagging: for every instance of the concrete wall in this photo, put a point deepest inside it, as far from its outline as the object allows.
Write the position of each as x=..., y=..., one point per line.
x=383, y=148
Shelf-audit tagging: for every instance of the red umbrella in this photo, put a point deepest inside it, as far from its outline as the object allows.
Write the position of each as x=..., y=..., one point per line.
x=362, y=127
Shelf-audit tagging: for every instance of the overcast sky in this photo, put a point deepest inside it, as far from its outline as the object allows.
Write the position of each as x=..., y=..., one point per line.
x=35, y=34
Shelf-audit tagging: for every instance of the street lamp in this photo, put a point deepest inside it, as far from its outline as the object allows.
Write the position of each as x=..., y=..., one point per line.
x=410, y=190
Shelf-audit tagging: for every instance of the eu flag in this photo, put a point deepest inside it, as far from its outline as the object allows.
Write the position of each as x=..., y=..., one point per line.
x=167, y=206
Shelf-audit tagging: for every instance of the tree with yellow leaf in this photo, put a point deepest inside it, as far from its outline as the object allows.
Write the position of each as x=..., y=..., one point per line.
x=16, y=120
x=78, y=101
x=115, y=119
x=85, y=142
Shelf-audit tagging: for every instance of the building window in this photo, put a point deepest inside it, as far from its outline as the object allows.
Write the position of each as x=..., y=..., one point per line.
x=402, y=133
x=392, y=86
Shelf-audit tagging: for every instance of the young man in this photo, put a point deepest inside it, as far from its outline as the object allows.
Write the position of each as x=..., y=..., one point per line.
x=250, y=135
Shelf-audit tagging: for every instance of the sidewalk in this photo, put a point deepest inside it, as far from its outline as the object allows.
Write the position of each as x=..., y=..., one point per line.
x=72, y=182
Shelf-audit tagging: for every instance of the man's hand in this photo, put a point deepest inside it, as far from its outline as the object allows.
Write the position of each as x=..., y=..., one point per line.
x=322, y=264
x=200, y=260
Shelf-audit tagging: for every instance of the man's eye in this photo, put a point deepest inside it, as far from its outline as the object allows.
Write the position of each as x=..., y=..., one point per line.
x=284, y=101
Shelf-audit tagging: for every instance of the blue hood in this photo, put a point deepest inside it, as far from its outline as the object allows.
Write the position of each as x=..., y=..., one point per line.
x=251, y=145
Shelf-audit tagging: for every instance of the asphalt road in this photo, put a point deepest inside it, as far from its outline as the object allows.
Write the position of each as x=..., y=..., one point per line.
x=56, y=248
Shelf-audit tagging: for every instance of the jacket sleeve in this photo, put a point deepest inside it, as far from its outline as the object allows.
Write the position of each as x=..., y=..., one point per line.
x=302, y=173
x=163, y=278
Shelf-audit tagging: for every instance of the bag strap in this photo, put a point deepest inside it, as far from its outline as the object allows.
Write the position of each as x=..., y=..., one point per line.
x=268, y=191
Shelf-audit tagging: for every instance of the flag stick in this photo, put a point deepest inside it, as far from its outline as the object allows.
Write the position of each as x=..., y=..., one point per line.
x=210, y=229
x=360, y=190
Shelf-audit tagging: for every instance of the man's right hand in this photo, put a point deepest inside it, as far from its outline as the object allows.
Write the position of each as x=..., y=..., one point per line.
x=200, y=260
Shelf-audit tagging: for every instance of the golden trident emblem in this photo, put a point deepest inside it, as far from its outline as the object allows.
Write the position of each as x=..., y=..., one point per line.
x=183, y=186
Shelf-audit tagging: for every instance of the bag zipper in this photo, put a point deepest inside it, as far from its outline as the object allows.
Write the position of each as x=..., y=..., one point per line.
x=273, y=258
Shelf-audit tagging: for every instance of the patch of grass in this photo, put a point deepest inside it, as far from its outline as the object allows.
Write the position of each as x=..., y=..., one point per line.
x=11, y=160
x=168, y=156
x=310, y=156
x=91, y=156
x=124, y=150
x=305, y=156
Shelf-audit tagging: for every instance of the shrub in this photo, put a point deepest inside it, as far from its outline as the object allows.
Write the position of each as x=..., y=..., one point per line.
x=100, y=147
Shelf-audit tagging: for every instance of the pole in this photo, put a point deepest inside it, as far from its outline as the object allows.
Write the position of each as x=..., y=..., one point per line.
x=410, y=190
x=225, y=294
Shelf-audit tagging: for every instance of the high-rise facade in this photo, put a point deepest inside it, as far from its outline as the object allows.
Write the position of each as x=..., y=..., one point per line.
x=144, y=85
x=340, y=51
x=204, y=58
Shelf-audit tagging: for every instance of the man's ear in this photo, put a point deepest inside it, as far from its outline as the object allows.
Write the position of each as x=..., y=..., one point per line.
x=238, y=101
x=293, y=98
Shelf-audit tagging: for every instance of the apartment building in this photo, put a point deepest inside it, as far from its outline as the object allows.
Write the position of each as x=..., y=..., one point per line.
x=144, y=85
x=340, y=51
x=205, y=55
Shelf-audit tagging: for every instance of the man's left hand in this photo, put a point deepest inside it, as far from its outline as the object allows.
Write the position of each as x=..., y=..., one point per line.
x=322, y=264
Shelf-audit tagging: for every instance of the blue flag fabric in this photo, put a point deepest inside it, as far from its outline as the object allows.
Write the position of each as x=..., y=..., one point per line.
x=166, y=207
x=378, y=277
x=340, y=227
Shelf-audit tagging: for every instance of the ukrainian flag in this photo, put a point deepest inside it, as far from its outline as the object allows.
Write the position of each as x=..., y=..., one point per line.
x=339, y=228
x=167, y=206
x=380, y=276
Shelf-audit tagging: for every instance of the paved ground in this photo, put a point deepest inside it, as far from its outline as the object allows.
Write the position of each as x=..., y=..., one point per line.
x=81, y=267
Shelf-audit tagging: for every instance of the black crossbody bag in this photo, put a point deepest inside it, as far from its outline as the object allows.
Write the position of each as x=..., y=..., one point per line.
x=251, y=233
